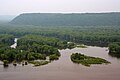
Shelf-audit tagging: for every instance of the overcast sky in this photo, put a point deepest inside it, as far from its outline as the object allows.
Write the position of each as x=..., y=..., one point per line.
x=15, y=7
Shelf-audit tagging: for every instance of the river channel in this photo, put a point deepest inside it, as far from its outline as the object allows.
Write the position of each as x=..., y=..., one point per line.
x=65, y=69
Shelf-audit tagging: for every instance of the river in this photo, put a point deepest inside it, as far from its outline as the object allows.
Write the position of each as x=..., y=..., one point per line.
x=65, y=69
x=15, y=43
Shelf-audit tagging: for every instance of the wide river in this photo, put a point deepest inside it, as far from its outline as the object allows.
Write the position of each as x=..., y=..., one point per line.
x=64, y=69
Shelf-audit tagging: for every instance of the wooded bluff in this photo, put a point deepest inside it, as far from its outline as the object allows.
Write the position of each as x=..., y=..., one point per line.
x=73, y=19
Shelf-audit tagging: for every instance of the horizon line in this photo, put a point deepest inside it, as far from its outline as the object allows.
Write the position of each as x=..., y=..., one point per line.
x=59, y=13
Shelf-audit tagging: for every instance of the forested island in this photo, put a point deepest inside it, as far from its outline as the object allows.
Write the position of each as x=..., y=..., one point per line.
x=87, y=60
x=30, y=48
x=41, y=36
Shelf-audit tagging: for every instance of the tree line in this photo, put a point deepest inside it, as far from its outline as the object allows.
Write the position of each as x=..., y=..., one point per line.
x=114, y=49
x=89, y=35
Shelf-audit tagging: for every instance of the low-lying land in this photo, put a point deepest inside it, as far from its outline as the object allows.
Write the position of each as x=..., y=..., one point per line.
x=87, y=60
x=39, y=63
x=30, y=48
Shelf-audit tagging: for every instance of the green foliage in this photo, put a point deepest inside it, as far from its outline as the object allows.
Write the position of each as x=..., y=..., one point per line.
x=54, y=19
x=3, y=57
x=6, y=39
x=114, y=49
x=89, y=35
x=9, y=54
x=19, y=57
x=5, y=63
x=31, y=47
x=87, y=60
x=39, y=63
x=16, y=54
x=70, y=45
x=35, y=56
x=53, y=57
x=36, y=40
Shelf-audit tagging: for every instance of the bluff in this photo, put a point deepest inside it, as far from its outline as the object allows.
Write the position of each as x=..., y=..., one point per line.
x=71, y=19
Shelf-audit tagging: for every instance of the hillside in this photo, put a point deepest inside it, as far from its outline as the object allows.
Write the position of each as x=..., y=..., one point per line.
x=75, y=19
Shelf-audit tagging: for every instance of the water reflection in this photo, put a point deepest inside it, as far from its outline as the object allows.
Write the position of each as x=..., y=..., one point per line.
x=114, y=55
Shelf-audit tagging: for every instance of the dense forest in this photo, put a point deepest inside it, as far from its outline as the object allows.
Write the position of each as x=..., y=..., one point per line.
x=114, y=49
x=42, y=35
x=30, y=40
x=6, y=39
x=57, y=19
x=97, y=29
x=89, y=35
x=30, y=47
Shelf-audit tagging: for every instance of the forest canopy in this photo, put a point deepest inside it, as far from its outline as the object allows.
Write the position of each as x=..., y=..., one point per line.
x=89, y=35
x=114, y=49
x=42, y=34
x=73, y=19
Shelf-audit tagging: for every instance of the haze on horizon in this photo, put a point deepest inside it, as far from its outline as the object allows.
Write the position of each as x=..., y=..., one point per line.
x=16, y=7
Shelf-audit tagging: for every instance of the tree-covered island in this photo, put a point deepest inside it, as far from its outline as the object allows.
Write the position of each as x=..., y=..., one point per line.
x=87, y=60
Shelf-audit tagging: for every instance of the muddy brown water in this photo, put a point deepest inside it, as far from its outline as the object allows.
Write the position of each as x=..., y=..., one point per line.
x=64, y=69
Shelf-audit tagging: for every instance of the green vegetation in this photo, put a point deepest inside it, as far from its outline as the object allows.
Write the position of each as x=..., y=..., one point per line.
x=90, y=29
x=54, y=19
x=41, y=35
x=37, y=40
x=6, y=39
x=114, y=49
x=39, y=63
x=32, y=47
x=88, y=35
x=53, y=57
x=5, y=63
x=87, y=60
x=16, y=55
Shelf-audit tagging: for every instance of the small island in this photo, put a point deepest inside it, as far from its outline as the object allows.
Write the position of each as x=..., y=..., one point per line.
x=87, y=60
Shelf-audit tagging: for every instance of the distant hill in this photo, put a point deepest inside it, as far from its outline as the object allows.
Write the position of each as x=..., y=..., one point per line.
x=73, y=19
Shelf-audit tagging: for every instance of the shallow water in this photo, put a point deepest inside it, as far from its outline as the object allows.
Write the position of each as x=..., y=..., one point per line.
x=64, y=69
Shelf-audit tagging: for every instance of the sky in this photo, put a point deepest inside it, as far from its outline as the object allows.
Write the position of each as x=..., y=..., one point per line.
x=16, y=7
